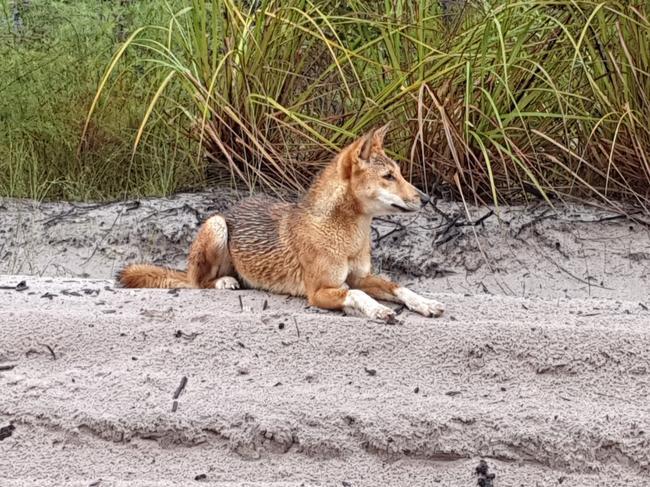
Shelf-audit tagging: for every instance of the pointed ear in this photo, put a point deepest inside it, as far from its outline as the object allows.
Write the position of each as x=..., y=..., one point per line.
x=354, y=155
x=373, y=142
x=345, y=163
x=378, y=136
x=365, y=146
x=361, y=149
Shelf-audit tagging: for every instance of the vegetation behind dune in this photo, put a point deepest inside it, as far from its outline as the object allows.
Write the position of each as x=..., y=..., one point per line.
x=490, y=101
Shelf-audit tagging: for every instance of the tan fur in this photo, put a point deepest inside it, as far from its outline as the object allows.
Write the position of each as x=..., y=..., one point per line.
x=150, y=276
x=317, y=247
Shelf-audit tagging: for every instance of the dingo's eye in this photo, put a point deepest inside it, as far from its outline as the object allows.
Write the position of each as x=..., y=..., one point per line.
x=389, y=176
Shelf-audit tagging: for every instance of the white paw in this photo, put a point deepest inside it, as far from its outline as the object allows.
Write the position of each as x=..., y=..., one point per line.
x=427, y=307
x=358, y=303
x=383, y=313
x=420, y=304
x=226, y=282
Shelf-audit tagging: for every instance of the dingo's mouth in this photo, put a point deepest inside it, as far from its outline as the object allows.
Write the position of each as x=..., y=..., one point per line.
x=404, y=209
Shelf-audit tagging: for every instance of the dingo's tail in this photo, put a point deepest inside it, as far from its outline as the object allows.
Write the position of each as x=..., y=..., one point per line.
x=151, y=276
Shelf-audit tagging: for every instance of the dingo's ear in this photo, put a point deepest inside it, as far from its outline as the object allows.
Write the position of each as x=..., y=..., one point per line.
x=380, y=133
x=373, y=142
x=361, y=149
x=347, y=160
x=351, y=155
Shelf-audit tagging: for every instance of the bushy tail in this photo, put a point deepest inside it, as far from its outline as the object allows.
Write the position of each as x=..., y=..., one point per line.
x=151, y=276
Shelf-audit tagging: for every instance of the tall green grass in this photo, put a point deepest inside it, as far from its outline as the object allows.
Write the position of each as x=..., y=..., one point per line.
x=497, y=101
x=50, y=67
x=511, y=100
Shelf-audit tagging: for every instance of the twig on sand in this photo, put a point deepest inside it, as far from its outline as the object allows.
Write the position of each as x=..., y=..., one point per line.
x=175, y=211
x=133, y=205
x=621, y=216
x=397, y=227
x=101, y=241
x=50, y=349
x=297, y=329
x=485, y=289
x=387, y=234
x=451, y=223
x=546, y=214
x=476, y=222
x=180, y=387
x=6, y=431
x=174, y=406
x=437, y=210
x=55, y=219
x=21, y=286
x=569, y=273
x=476, y=239
x=186, y=336
x=447, y=238
x=5, y=367
x=75, y=211
x=485, y=478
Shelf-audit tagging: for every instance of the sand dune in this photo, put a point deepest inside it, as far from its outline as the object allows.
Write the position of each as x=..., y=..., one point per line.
x=549, y=384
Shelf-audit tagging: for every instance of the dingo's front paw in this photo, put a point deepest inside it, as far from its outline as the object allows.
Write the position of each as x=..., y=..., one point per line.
x=358, y=303
x=383, y=313
x=226, y=282
x=427, y=307
x=420, y=304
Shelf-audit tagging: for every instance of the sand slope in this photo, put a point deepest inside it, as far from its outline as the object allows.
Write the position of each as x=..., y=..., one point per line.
x=541, y=370
x=545, y=390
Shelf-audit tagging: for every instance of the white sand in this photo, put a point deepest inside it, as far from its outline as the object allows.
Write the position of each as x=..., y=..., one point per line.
x=540, y=365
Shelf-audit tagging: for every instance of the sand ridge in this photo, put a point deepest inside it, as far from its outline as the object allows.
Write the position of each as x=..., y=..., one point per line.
x=547, y=382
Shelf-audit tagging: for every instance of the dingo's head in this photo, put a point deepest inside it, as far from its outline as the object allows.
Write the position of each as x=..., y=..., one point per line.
x=375, y=179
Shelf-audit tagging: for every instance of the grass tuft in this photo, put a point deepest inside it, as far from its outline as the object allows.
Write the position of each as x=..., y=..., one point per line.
x=493, y=102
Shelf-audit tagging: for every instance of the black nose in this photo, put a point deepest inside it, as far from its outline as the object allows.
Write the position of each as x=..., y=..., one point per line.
x=424, y=198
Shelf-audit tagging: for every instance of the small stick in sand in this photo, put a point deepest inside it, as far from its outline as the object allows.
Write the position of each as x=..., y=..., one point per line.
x=6, y=431
x=446, y=239
x=485, y=478
x=186, y=336
x=50, y=349
x=21, y=286
x=297, y=329
x=174, y=406
x=180, y=387
x=4, y=367
x=477, y=222
x=370, y=372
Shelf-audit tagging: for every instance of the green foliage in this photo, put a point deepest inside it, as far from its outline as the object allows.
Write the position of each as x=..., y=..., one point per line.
x=504, y=101
x=49, y=74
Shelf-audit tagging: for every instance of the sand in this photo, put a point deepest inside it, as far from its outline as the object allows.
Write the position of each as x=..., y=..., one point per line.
x=540, y=366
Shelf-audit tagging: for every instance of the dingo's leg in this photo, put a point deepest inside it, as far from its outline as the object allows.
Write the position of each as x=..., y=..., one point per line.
x=352, y=301
x=381, y=288
x=325, y=286
x=209, y=263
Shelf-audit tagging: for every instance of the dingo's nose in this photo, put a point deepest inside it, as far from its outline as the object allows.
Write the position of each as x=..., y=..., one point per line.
x=424, y=198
